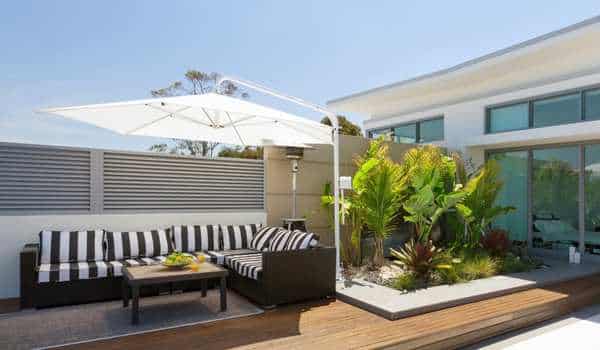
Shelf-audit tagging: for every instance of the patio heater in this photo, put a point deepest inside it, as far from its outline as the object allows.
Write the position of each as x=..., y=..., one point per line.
x=294, y=154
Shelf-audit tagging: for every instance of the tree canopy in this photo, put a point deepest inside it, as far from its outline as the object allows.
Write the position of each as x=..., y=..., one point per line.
x=346, y=126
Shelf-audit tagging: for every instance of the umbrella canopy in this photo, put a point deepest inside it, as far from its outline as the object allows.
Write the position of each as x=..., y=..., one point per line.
x=208, y=117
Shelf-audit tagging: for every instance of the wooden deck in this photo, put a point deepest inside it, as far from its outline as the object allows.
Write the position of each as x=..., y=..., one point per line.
x=337, y=325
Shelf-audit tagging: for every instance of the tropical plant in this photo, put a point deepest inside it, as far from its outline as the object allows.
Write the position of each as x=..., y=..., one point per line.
x=419, y=258
x=479, y=209
x=429, y=201
x=432, y=188
x=496, y=242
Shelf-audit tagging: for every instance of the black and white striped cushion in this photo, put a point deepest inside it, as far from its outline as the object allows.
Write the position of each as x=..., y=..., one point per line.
x=70, y=246
x=218, y=257
x=247, y=265
x=238, y=236
x=301, y=240
x=280, y=240
x=66, y=272
x=129, y=245
x=263, y=237
x=196, y=238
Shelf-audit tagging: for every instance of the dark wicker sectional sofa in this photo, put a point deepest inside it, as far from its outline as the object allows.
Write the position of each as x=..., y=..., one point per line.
x=281, y=267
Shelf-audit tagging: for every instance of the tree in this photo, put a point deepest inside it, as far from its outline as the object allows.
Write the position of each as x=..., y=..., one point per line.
x=242, y=152
x=346, y=126
x=196, y=83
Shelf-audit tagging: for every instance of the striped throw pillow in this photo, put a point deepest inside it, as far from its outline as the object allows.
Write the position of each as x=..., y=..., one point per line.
x=280, y=240
x=301, y=240
x=70, y=246
x=263, y=237
x=238, y=236
x=196, y=238
x=130, y=245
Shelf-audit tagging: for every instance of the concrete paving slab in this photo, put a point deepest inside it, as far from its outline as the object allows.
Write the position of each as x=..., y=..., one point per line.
x=393, y=304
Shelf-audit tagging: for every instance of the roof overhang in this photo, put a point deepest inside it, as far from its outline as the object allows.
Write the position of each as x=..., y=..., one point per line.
x=560, y=54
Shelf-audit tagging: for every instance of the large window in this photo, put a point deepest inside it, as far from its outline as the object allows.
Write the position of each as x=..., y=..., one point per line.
x=557, y=110
x=431, y=130
x=508, y=118
x=405, y=133
x=423, y=131
x=546, y=111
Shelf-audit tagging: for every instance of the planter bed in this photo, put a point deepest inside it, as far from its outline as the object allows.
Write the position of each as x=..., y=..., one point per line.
x=394, y=304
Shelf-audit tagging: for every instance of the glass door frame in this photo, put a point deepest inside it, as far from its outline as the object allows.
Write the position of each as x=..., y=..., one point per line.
x=581, y=185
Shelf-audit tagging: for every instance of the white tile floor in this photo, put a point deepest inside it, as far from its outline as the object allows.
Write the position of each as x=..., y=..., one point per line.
x=580, y=330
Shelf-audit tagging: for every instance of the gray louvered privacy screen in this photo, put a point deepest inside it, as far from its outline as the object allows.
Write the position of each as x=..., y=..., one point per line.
x=45, y=179
x=41, y=179
x=141, y=182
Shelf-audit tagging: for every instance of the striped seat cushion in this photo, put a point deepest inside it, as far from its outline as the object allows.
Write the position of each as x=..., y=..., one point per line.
x=71, y=246
x=196, y=238
x=280, y=240
x=218, y=257
x=131, y=245
x=263, y=238
x=66, y=272
x=299, y=240
x=247, y=265
x=238, y=236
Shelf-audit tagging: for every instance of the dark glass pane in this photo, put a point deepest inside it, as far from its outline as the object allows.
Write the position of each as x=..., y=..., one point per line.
x=431, y=130
x=406, y=133
x=514, y=117
x=556, y=197
x=557, y=110
x=513, y=173
x=592, y=105
x=592, y=199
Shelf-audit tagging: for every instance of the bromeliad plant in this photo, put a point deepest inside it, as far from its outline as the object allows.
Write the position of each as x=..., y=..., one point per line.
x=420, y=259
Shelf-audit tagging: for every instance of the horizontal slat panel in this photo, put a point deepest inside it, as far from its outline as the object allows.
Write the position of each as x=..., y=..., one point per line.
x=164, y=182
x=44, y=179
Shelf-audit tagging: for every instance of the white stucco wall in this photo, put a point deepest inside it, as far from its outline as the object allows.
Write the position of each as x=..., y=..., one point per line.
x=464, y=122
x=16, y=231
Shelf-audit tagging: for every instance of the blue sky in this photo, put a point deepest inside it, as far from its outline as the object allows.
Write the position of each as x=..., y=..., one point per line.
x=59, y=53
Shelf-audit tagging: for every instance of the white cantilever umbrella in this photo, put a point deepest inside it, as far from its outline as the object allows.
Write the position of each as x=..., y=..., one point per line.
x=216, y=118
x=209, y=117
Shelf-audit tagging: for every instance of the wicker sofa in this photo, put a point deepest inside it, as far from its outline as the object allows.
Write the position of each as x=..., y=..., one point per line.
x=268, y=265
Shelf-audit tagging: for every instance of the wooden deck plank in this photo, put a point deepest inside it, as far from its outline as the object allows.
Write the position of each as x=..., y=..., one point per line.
x=335, y=324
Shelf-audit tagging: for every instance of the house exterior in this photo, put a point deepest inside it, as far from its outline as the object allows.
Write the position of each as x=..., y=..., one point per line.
x=533, y=107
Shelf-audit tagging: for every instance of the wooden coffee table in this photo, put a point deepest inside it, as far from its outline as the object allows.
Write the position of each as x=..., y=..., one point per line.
x=135, y=277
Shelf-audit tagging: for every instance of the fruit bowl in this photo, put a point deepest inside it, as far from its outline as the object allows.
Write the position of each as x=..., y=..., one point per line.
x=178, y=260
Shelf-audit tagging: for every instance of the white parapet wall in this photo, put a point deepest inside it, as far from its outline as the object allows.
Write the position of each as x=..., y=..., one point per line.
x=16, y=231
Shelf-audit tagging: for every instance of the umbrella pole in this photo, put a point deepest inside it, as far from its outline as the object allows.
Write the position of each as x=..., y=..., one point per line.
x=336, y=156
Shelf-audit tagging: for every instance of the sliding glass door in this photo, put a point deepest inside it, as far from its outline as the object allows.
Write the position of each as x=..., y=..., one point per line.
x=513, y=173
x=555, y=197
x=544, y=185
x=592, y=198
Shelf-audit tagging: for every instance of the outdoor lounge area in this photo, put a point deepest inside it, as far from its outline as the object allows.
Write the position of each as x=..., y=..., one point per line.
x=457, y=209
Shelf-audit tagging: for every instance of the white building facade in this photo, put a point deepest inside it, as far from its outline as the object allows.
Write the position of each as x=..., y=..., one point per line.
x=533, y=107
